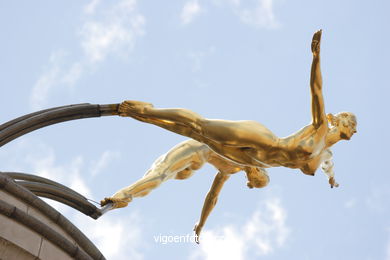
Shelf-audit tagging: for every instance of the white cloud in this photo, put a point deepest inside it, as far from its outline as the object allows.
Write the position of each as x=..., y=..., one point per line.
x=265, y=231
x=117, y=237
x=190, y=10
x=269, y=229
x=37, y=158
x=47, y=80
x=221, y=244
x=115, y=32
x=91, y=7
x=260, y=15
x=72, y=75
x=104, y=160
x=43, y=163
x=256, y=13
x=235, y=2
x=58, y=73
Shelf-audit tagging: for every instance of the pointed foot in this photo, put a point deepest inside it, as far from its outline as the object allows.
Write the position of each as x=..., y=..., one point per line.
x=131, y=107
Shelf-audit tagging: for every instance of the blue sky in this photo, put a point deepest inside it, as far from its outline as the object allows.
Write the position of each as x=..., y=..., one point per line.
x=228, y=59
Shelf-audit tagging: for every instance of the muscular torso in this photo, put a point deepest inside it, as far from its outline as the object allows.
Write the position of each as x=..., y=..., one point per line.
x=249, y=143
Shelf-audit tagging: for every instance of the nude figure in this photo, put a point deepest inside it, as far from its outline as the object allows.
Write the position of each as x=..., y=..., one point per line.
x=180, y=163
x=240, y=145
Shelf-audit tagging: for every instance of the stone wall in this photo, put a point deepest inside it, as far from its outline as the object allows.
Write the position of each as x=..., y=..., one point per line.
x=31, y=229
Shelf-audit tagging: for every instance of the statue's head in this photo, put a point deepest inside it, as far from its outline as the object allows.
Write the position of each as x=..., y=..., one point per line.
x=345, y=123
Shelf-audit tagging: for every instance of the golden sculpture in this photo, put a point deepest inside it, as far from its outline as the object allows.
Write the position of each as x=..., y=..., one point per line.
x=233, y=146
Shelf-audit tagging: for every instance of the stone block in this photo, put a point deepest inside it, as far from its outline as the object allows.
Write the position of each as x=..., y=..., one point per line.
x=20, y=235
x=11, y=251
x=38, y=215
x=10, y=199
x=50, y=251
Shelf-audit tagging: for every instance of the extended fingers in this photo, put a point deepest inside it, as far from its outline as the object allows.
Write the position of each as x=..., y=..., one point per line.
x=317, y=35
x=315, y=44
x=197, y=230
x=105, y=201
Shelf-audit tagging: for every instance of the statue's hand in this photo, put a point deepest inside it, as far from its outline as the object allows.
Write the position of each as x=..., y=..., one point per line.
x=333, y=182
x=315, y=43
x=117, y=203
x=197, y=230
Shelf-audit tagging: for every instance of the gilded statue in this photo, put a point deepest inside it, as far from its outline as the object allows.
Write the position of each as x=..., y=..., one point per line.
x=234, y=146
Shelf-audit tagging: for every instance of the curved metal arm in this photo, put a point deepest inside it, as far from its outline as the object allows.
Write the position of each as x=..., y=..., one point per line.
x=37, y=179
x=43, y=187
x=30, y=122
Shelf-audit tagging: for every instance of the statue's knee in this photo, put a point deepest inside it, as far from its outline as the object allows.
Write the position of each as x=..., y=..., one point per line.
x=257, y=178
x=258, y=182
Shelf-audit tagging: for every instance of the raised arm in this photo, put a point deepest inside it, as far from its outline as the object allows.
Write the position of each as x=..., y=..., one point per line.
x=317, y=100
x=210, y=201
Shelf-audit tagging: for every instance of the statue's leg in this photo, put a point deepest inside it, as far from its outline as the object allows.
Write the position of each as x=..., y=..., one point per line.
x=209, y=131
x=178, y=120
x=179, y=163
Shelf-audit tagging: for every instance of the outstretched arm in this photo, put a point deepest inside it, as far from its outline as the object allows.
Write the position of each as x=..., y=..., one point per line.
x=210, y=201
x=180, y=162
x=317, y=100
x=327, y=168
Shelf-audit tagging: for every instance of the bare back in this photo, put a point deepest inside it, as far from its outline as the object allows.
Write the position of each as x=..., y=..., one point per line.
x=251, y=143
